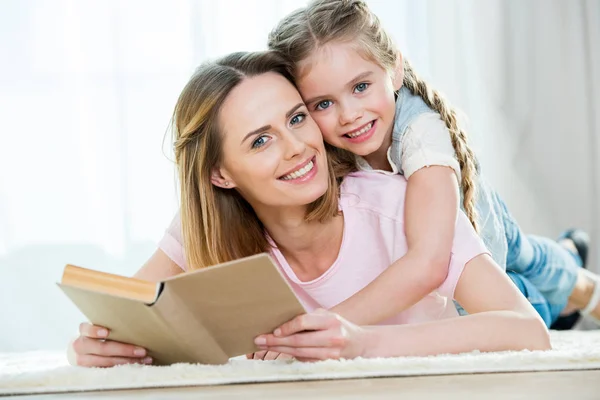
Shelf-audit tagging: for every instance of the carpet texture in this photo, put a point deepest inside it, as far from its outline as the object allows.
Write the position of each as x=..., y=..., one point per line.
x=48, y=372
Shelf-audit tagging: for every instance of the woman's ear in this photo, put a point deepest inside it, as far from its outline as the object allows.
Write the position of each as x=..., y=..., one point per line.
x=398, y=74
x=220, y=178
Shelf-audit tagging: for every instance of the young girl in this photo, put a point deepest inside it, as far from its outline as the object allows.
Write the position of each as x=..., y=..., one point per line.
x=368, y=101
x=255, y=177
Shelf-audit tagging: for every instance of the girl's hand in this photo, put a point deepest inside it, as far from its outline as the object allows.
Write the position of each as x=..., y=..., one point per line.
x=268, y=355
x=93, y=349
x=316, y=336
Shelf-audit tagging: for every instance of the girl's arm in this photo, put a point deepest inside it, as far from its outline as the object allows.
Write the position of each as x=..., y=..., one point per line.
x=500, y=319
x=430, y=213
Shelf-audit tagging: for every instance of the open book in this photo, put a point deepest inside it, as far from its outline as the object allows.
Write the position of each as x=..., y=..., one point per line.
x=205, y=316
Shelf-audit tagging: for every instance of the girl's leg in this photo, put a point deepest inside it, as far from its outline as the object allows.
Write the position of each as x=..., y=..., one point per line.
x=547, y=311
x=545, y=263
x=576, y=242
x=550, y=267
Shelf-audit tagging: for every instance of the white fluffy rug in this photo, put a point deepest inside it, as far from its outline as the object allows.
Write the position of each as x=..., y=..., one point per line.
x=47, y=372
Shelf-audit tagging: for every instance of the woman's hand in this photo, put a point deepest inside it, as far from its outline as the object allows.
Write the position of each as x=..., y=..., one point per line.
x=268, y=356
x=319, y=335
x=93, y=349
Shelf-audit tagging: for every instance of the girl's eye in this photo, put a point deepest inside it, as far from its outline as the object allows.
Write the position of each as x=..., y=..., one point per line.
x=298, y=118
x=323, y=105
x=259, y=142
x=361, y=87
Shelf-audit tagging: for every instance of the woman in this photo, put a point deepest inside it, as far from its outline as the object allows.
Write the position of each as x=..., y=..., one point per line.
x=255, y=177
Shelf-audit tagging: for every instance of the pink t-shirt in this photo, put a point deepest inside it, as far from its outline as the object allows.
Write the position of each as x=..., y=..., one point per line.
x=373, y=207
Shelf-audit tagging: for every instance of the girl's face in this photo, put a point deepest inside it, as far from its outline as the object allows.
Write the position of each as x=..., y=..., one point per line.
x=273, y=152
x=350, y=98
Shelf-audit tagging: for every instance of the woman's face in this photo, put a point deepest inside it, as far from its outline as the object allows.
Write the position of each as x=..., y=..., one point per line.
x=273, y=151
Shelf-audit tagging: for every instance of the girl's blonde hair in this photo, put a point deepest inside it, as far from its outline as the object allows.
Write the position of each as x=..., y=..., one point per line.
x=218, y=225
x=307, y=29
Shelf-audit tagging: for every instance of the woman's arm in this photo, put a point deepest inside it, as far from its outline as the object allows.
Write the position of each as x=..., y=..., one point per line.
x=500, y=319
x=431, y=208
x=93, y=349
x=158, y=267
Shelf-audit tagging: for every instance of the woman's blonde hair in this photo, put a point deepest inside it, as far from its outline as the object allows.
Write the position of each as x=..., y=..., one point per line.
x=218, y=225
x=307, y=29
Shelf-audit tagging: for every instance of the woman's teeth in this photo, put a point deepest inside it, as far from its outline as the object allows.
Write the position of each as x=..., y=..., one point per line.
x=300, y=173
x=363, y=130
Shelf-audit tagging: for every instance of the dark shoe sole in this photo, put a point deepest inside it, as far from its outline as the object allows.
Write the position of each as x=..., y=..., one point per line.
x=581, y=240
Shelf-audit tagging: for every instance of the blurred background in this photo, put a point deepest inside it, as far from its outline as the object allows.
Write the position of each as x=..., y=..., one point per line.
x=87, y=88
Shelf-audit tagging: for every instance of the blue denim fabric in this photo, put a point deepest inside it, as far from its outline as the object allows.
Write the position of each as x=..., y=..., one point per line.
x=547, y=265
x=548, y=312
x=543, y=266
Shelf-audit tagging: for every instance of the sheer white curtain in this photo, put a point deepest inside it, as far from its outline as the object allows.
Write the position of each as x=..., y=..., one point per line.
x=87, y=90
x=527, y=74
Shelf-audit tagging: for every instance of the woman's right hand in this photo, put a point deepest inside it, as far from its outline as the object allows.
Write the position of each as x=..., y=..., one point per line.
x=93, y=349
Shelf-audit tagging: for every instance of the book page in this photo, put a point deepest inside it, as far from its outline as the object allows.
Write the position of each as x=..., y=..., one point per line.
x=103, y=282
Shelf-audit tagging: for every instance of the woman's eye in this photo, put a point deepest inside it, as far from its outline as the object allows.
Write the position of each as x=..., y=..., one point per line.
x=296, y=119
x=259, y=142
x=361, y=87
x=323, y=105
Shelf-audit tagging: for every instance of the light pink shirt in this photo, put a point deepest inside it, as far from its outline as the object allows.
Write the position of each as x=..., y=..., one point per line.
x=373, y=238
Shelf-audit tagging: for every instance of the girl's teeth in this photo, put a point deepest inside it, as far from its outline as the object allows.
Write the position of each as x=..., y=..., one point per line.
x=363, y=130
x=300, y=173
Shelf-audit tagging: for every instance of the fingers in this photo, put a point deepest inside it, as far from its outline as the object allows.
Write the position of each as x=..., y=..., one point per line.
x=309, y=353
x=271, y=355
x=318, y=320
x=284, y=357
x=259, y=355
x=324, y=338
x=93, y=349
x=90, y=360
x=315, y=336
x=307, y=359
x=93, y=331
x=267, y=356
x=85, y=345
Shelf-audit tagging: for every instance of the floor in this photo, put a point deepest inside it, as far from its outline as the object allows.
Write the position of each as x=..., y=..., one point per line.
x=580, y=385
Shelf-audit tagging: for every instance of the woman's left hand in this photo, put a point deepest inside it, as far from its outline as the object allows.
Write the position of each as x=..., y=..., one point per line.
x=318, y=335
x=268, y=356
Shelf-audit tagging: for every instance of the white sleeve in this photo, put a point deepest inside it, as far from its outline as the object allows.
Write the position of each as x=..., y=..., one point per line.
x=427, y=142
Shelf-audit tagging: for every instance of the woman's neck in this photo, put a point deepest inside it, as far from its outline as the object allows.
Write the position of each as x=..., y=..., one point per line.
x=310, y=248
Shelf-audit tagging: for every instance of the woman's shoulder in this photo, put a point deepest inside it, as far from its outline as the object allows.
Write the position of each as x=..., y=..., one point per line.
x=172, y=242
x=375, y=191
